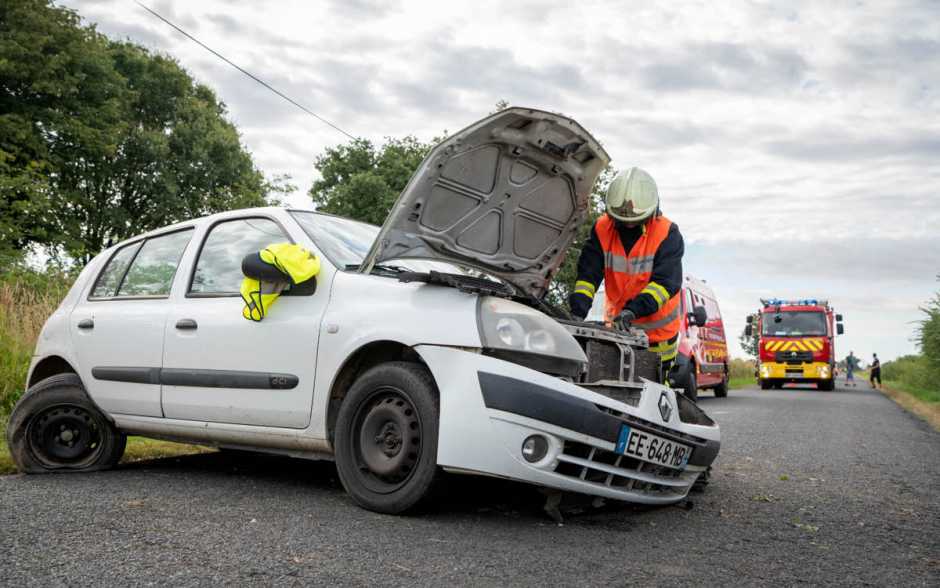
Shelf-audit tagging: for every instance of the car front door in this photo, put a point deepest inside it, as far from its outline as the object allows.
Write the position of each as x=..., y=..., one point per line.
x=220, y=367
x=117, y=329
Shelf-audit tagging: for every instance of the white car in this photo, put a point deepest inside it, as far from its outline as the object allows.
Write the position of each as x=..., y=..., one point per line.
x=419, y=347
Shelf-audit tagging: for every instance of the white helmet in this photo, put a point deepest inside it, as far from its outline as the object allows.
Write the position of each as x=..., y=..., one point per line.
x=632, y=197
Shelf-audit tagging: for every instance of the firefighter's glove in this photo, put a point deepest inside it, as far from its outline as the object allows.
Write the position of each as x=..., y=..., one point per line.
x=580, y=304
x=624, y=319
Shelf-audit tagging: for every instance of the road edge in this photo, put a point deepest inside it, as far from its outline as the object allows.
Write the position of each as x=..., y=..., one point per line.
x=925, y=411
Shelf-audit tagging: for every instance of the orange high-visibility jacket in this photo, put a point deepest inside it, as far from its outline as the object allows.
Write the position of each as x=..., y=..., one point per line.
x=627, y=275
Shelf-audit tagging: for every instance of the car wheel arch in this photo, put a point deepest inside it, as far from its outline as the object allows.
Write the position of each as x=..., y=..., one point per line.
x=359, y=361
x=49, y=366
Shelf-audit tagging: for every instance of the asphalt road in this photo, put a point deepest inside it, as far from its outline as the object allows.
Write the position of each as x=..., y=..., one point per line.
x=811, y=487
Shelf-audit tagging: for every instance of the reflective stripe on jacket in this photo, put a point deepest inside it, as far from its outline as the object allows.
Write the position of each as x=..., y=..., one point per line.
x=626, y=276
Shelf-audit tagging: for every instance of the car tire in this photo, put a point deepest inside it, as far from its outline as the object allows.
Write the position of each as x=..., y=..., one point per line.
x=827, y=385
x=55, y=427
x=386, y=438
x=691, y=386
x=721, y=390
x=766, y=384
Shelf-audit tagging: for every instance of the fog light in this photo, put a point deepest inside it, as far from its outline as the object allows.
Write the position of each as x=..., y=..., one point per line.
x=534, y=448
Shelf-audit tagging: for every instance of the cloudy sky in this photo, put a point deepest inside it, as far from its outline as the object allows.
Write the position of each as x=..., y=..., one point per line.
x=796, y=144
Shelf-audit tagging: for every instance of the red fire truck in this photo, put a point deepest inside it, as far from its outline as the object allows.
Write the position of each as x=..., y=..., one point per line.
x=795, y=342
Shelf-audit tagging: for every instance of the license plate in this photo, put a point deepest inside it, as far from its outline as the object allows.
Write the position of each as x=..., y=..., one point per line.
x=652, y=448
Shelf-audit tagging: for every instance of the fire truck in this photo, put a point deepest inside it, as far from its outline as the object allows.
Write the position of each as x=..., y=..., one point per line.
x=795, y=342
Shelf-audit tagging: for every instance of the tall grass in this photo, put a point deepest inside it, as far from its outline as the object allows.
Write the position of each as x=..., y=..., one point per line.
x=26, y=300
x=913, y=374
x=741, y=373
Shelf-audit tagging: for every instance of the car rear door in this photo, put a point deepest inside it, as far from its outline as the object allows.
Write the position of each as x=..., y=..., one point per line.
x=117, y=328
x=220, y=367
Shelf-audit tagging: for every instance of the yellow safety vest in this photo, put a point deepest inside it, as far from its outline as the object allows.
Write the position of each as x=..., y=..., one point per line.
x=295, y=263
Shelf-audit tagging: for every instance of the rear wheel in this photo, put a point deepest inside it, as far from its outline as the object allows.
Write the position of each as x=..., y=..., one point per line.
x=56, y=428
x=721, y=390
x=386, y=438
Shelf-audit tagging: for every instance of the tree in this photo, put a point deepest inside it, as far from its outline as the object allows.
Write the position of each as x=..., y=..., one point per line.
x=750, y=343
x=361, y=181
x=117, y=139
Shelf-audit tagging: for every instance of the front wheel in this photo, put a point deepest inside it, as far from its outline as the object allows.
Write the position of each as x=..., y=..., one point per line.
x=691, y=386
x=386, y=438
x=55, y=427
x=766, y=384
x=826, y=385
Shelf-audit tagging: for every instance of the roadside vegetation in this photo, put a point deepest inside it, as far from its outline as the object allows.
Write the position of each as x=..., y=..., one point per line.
x=741, y=373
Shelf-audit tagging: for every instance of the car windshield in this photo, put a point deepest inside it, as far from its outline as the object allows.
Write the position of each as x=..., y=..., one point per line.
x=347, y=242
x=792, y=323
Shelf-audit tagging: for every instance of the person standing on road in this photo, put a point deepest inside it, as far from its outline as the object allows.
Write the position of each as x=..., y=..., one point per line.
x=875, y=371
x=637, y=253
x=851, y=364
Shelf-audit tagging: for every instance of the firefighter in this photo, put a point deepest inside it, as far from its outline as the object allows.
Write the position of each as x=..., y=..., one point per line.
x=637, y=252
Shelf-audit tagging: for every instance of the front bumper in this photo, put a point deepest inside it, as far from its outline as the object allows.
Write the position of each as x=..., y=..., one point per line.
x=818, y=370
x=490, y=406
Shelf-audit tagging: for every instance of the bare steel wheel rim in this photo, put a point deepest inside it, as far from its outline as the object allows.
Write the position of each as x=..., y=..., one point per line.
x=65, y=435
x=386, y=440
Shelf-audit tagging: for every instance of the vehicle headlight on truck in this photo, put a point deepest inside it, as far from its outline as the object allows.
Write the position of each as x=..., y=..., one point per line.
x=520, y=334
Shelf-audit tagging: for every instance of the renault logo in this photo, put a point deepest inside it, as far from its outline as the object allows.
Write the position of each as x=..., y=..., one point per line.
x=793, y=354
x=665, y=409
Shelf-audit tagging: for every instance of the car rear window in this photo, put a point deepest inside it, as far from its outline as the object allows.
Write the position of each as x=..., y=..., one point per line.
x=219, y=267
x=143, y=269
x=110, y=278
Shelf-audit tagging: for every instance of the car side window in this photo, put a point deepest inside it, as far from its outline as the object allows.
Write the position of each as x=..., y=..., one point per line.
x=110, y=279
x=152, y=271
x=219, y=267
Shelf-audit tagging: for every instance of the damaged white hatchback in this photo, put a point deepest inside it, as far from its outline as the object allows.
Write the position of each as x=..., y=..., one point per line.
x=419, y=347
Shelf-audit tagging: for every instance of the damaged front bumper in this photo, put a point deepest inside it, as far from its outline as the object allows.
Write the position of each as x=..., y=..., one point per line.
x=490, y=407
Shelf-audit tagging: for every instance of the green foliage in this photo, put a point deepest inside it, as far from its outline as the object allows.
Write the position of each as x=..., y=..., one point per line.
x=929, y=335
x=913, y=374
x=361, y=181
x=101, y=140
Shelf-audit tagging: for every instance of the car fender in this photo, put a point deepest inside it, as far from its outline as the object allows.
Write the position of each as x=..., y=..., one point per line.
x=366, y=309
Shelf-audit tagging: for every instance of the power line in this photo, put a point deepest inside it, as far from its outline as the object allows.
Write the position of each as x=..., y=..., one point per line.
x=244, y=71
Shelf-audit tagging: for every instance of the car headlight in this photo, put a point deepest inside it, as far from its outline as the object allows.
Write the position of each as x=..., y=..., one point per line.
x=764, y=371
x=507, y=326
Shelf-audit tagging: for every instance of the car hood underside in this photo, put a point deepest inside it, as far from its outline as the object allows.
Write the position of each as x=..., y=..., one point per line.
x=506, y=196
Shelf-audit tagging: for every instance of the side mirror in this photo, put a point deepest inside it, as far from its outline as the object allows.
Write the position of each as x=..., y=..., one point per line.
x=748, y=331
x=699, y=317
x=750, y=318
x=840, y=330
x=838, y=318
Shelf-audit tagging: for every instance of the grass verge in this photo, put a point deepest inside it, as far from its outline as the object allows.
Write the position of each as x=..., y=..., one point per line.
x=741, y=382
x=916, y=401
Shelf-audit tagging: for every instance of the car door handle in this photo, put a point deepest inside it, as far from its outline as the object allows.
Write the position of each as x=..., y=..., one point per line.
x=86, y=324
x=186, y=325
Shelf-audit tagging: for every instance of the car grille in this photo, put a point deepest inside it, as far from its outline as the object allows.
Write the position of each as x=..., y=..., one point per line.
x=794, y=357
x=606, y=468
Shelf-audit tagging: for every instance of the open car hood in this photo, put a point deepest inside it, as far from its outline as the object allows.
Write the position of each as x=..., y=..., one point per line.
x=505, y=195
